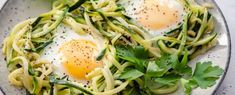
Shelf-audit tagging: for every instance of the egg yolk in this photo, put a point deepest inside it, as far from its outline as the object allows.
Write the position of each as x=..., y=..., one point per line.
x=79, y=58
x=157, y=14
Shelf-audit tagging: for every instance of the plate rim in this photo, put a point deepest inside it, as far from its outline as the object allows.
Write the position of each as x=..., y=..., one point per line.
x=229, y=47
x=1, y=7
x=227, y=33
x=4, y=2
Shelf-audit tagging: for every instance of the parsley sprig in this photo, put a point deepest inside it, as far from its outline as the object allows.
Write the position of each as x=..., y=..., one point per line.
x=165, y=73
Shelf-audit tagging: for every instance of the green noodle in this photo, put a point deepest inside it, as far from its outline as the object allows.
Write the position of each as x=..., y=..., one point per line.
x=106, y=21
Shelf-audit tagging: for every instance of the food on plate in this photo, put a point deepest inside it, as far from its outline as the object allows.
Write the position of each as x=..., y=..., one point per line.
x=112, y=47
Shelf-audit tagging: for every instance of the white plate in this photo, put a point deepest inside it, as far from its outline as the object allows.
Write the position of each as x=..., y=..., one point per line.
x=15, y=11
x=2, y=3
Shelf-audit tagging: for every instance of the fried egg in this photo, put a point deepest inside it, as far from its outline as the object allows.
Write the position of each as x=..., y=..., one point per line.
x=72, y=54
x=155, y=16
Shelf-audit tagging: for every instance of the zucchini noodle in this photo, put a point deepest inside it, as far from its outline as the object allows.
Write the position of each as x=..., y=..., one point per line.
x=103, y=19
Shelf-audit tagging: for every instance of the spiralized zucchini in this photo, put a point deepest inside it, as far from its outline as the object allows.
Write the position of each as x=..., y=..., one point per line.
x=106, y=20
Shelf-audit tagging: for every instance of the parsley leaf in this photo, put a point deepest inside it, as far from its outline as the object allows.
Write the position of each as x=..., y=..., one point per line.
x=153, y=70
x=205, y=74
x=166, y=61
x=161, y=65
x=159, y=73
x=168, y=79
x=131, y=74
x=137, y=55
x=188, y=85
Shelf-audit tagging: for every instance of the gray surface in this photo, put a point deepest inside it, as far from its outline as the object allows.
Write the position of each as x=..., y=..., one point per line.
x=228, y=85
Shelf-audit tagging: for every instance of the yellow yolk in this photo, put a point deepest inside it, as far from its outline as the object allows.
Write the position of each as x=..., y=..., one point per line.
x=79, y=58
x=157, y=14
